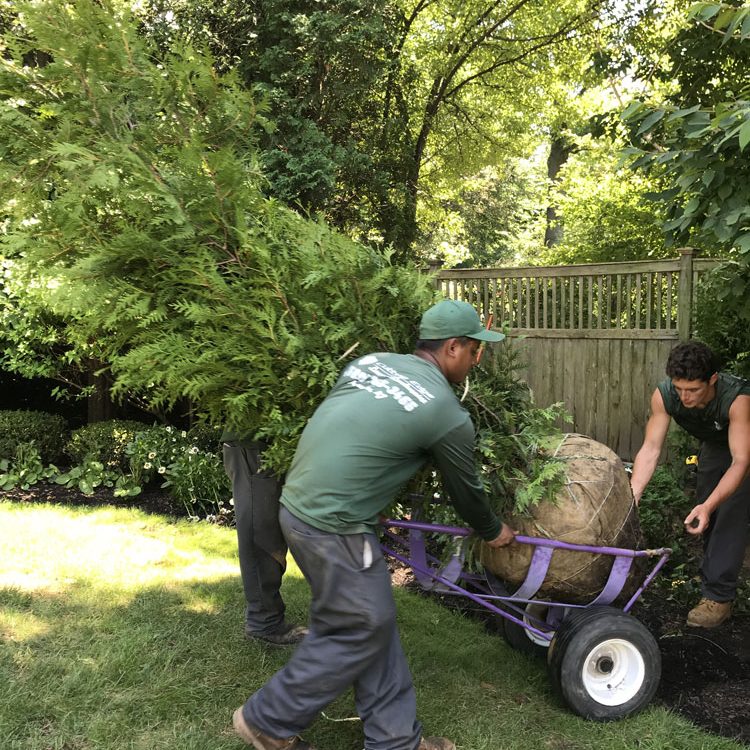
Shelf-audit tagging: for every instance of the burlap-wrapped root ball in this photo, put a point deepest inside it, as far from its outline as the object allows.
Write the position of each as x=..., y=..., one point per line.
x=595, y=507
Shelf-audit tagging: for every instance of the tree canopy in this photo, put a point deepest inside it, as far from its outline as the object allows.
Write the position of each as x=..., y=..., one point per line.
x=696, y=140
x=377, y=103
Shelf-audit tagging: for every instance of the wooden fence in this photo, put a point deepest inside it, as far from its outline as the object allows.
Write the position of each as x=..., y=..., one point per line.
x=595, y=337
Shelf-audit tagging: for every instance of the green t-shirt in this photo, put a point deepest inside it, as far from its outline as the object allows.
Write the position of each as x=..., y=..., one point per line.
x=386, y=416
x=711, y=423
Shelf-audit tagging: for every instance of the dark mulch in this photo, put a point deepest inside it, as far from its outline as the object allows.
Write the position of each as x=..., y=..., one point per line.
x=151, y=500
x=705, y=673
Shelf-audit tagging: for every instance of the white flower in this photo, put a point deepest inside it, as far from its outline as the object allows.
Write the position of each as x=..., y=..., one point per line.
x=183, y=433
x=152, y=455
x=147, y=465
x=169, y=429
x=162, y=469
x=193, y=450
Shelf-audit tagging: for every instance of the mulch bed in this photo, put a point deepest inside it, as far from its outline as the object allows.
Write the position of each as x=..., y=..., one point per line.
x=705, y=673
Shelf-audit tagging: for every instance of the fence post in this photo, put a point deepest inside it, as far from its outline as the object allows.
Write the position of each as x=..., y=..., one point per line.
x=433, y=267
x=685, y=294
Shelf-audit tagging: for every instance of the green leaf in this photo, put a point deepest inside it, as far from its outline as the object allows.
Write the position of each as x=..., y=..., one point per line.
x=680, y=113
x=650, y=121
x=724, y=18
x=704, y=11
x=739, y=17
x=744, y=134
x=631, y=109
x=708, y=176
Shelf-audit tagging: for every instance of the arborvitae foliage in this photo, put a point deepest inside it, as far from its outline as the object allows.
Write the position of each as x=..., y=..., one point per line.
x=130, y=185
x=133, y=202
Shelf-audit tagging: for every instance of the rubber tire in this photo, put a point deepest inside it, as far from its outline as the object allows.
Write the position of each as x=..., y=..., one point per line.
x=520, y=638
x=623, y=643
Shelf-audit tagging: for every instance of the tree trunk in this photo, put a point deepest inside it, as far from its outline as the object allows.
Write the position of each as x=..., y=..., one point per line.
x=100, y=406
x=559, y=151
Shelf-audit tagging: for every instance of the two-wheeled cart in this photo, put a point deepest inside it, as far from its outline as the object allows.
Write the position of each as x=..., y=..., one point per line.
x=602, y=661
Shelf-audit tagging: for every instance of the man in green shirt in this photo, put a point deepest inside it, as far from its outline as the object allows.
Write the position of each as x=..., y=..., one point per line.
x=713, y=407
x=386, y=416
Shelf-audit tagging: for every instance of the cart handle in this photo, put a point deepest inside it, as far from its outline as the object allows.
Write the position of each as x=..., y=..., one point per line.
x=434, y=528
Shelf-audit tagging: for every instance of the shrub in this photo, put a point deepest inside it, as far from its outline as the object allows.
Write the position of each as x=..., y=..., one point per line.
x=662, y=509
x=206, y=437
x=104, y=442
x=152, y=449
x=24, y=469
x=197, y=479
x=48, y=433
x=188, y=463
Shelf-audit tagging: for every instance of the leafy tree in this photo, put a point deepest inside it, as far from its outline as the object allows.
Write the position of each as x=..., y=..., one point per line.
x=376, y=103
x=606, y=212
x=696, y=140
x=490, y=219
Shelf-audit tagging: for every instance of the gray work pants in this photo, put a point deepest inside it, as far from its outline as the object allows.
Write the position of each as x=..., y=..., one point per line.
x=353, y=641
x=261, y=545
x=724, y=541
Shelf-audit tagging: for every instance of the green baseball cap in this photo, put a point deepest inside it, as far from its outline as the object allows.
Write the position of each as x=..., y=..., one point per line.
x=451, y=318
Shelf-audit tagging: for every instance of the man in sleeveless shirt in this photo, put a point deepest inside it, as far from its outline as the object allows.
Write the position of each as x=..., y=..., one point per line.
x=386, y=415
x=713, y=407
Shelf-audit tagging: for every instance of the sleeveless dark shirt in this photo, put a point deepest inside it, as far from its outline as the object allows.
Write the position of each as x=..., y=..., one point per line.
x=710, y=424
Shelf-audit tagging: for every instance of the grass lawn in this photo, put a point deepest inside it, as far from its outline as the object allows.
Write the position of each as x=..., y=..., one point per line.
x=124, y=630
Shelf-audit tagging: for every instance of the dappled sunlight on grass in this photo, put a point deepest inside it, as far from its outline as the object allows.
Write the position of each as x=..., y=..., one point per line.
x=18, y=627
x=116, y=549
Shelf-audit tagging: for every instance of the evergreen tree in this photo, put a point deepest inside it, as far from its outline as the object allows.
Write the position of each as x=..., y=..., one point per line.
x=134, y=198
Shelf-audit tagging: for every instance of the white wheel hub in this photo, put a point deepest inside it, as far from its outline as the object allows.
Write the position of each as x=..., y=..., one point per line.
x=537, y=611
x=613, y=672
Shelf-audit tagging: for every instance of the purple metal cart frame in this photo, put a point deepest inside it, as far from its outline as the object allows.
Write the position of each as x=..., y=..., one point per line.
x=484, y=590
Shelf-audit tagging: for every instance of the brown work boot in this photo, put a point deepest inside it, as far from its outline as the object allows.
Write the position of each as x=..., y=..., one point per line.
x=436, y=743
x=709, y=614
x=253, y=736
x=287, y=634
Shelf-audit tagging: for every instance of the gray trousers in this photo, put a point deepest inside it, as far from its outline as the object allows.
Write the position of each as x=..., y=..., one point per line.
x=724, y=541
x=261, y=545
x=353, y=641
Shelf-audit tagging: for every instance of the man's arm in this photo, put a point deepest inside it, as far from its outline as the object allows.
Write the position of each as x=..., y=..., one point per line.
x=454, y=456
x=739, y=447
x=647, y=457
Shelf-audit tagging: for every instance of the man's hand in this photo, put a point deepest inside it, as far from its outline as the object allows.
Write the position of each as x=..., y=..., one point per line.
x=505, y=537
x=696, y=522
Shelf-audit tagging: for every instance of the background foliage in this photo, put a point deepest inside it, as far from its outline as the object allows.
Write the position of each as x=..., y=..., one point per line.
x=696, y=140
x=380, y=105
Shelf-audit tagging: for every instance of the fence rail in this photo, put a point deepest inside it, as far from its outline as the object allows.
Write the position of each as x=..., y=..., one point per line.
x=639, y=296
x=595, y=336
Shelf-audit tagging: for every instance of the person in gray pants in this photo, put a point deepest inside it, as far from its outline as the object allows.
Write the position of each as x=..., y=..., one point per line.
x=261, y=545
x=386, y=416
